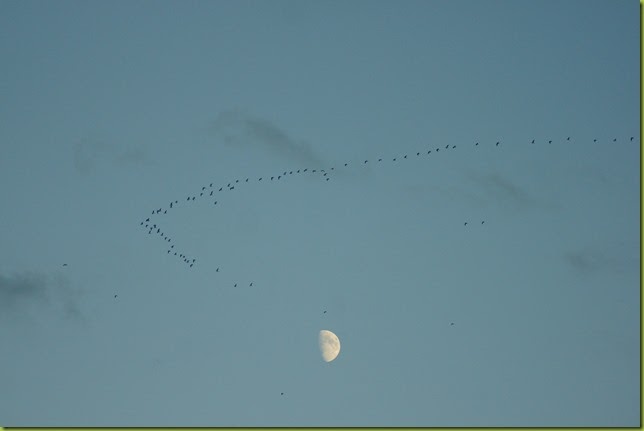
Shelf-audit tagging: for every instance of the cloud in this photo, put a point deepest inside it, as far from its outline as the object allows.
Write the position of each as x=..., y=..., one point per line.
x=20, y=292
x=238, y=128
x=89, y=153
x=590, y=260
x=503, y=190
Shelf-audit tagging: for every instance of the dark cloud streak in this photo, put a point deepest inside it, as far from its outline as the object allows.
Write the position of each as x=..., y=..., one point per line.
x=238, y=128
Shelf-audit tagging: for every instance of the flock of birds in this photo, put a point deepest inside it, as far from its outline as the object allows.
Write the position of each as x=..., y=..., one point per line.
x=212, y=192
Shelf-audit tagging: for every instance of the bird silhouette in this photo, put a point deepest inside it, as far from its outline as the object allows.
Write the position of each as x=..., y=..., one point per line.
x=210, y=184
x=631, y=138
x=465, y=224
x=550, y=142
x=568, y=138
x=533, y=141
x=251, y=284
x=203, y=188
x=64, y=264
x=235, y=285
x=217, y=270
x=594, y=140
x=221, y=188
x=147, y=219
x=497, y=143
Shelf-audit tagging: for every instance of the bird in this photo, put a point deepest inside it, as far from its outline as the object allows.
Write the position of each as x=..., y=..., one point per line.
x=168, y=251
x=345, y=164
x=210, y=184
x=418, y=154
x=327, y=179
x=228, y=185
x=550, y=141
x=246, y=179
x=314, y=170
x=279, y=176
x=476, y=144
x=281, y=393
x=272, y=178
x=217, y=270
x=308, y=169
x=235, y=285
x=497, y=143
x=453, y=146
x=568, y=138
x=211, y=193
x=158, y=230
x=405, y=156
x=260, y=178
x=594, y=140
x=165, y=212
x=631, y=138
x=215, y=202
x=324, y=312
x=194, y=260
x=451, y=324
x=172, y=246
x=482, y=221
x=193, y=198
x=380, y=160
x=236, y=181
x=251, y=284
x=116, y=296
x=64, y=264
x=532, y=141
x=201, y=194
x=191, y=265
x=429, y=151
x=147, y=219
x=188, y=198
x=203, y=188
x=141, y=223
x=221, y=188
x=614, y=139
x=394, y=159
x=298, y=171
x=437, y=149
x=447, y=147
x=175, y=253
x=465, y=224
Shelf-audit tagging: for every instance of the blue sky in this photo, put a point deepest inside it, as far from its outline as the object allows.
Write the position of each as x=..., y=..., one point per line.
x=114, y=109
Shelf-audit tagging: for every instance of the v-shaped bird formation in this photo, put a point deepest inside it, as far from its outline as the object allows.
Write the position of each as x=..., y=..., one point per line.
x=211, y=191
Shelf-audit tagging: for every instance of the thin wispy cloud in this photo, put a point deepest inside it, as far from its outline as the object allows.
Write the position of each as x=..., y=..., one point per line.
x=21, y=292
x=89, y=154
x=238, y=128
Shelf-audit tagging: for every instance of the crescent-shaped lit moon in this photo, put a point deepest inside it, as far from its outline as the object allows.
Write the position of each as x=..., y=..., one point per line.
x=329, y=345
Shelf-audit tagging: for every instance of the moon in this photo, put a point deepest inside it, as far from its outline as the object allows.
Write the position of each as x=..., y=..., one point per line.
x=329, y=345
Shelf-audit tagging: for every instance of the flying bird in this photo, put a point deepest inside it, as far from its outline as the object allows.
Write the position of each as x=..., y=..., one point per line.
x=64, y=264
x=203, y=188
x=631, y=138
x=210, y=184
x=147, y=219
x=465, y=224
x=568, y=138
x=217, y=270
x=221, y=188
x=497, y=143
x=533, y=141
x=476, y=144
x=251, y=284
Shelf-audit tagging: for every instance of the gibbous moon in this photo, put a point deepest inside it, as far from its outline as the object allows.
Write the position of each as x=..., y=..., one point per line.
x=329, y=345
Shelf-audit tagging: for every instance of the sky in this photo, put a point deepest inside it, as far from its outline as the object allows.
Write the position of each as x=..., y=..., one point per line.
x=469, y=284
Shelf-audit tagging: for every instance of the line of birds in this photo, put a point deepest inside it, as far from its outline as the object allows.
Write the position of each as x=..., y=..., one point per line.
x=210, y=191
